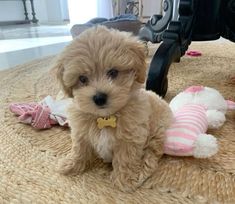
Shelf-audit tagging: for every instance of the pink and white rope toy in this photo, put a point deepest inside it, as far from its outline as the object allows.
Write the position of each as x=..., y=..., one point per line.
x=44, y=114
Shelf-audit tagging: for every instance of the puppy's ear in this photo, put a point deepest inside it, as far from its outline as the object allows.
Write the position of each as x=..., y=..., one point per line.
x=58, y=71
x=139, y=49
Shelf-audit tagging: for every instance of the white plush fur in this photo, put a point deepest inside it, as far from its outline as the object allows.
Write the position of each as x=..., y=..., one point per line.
x=205, y=146
x=208, y=97
x=215, y=119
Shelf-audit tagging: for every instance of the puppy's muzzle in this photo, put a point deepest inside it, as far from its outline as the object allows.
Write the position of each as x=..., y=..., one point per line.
x=100, y=99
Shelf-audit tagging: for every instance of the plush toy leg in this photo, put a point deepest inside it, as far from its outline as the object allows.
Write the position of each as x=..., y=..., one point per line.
x=205, y=146
x=215, y=119
x=231, y=104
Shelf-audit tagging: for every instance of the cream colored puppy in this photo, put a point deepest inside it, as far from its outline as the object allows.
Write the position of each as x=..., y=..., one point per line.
x=112, y=116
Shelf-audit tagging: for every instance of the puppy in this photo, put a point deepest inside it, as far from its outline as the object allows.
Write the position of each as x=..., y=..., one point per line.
x=104, y=72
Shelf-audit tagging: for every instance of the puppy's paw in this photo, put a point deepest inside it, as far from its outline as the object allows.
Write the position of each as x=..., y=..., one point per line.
x=125, y=183
x=66, y=166
x=70, y=166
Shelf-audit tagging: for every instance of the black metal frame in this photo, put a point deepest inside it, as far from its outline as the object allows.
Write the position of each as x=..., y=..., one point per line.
x=26, y=20
x=176, y=39
x=192, y=24
x=34, y=19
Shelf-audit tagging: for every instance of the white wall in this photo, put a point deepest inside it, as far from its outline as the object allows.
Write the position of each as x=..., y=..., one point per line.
x=64, y=9
x=54, y=10
x=82, y=11
x=40, y=9
x=104, y=8
x=151, y=7
x=51, y=10
x=11, y=10
x=46, y=10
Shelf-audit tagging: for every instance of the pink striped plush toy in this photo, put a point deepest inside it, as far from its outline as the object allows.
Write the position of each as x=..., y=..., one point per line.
x=195, y=110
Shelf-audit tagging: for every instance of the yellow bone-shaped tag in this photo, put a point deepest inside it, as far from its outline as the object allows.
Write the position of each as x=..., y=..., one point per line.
x=106, y=122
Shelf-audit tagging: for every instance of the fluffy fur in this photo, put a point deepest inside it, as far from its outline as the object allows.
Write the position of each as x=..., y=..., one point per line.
x=135, y=146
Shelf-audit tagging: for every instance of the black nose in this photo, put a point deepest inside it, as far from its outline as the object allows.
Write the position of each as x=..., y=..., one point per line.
x=100, y=99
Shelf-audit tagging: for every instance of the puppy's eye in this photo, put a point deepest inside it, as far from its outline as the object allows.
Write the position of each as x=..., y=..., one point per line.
x=112, y=73
x=83, y=80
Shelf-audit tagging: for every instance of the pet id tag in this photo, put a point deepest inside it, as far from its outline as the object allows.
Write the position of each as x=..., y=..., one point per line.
x=106, y=122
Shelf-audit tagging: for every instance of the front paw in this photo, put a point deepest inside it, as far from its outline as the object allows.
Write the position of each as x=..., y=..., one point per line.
x=126, y=183
x=70, y=166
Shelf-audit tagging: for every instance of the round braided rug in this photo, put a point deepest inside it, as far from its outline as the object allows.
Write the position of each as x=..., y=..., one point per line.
x=28, y=157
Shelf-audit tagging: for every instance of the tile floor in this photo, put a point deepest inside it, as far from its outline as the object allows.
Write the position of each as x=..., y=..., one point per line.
x=22, y=43
x=33, y=31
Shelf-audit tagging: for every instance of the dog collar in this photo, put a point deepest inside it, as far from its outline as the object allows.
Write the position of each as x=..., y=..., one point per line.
x=106, y=122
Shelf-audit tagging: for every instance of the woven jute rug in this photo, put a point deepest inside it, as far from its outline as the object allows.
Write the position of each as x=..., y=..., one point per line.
x=28, y=157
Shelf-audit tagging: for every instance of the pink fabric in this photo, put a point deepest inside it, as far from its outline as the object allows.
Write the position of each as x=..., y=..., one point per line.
x=193, y=53
x=41, y=119
x=32, y=113
x=189, y=121
x=193, y=89
x=21, y=108
x=231, y=104
x=185, y=150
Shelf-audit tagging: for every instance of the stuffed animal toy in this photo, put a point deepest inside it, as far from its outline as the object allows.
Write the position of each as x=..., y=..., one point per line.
x=195, y=110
